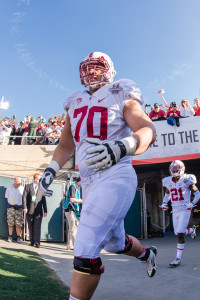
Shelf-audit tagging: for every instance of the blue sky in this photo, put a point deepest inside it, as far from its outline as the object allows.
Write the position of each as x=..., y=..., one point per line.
x=153, y=42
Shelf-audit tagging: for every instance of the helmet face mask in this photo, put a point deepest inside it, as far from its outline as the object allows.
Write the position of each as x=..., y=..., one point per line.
x=96, y=70
x=177, y=168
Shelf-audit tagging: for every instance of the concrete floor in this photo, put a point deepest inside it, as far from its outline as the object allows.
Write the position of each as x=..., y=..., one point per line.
x=125, y=278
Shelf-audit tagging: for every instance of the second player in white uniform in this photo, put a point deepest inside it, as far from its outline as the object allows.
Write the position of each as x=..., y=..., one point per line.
x=107, y=126
x=178, y=189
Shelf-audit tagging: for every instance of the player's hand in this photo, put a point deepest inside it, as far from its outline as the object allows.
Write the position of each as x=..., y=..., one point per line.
x=46, y=180
x=164, y=206
x=108, y=153
x=189, y=206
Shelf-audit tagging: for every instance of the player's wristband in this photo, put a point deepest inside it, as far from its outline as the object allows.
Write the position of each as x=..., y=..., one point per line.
x=54, y=165
x=130, y=145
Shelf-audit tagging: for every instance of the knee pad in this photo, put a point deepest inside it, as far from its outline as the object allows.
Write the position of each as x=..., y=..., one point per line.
x=88, y=266
x=128, y=244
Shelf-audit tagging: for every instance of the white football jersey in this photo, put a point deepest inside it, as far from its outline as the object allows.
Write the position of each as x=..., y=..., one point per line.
x=179, y=191
x=100, y=115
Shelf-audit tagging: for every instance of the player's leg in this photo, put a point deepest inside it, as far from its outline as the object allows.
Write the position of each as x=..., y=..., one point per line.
x=145, y=255
x=191, y=231
x=181, y=220
x=83, y=285
x=106, y=202
x=175, y=217
x=132, y=247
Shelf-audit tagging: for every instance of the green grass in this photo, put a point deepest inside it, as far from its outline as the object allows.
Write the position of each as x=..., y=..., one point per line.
x=25, y=276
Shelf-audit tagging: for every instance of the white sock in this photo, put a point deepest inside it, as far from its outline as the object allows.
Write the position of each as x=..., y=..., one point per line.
x=180, y=248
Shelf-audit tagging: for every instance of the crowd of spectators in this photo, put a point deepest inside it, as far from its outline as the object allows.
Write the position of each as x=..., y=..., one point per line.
x=172, y=112
x=31, y=131
x=36, y=131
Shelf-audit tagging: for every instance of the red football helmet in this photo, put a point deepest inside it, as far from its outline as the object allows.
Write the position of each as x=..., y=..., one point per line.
x=177, y=168
x=102, y=64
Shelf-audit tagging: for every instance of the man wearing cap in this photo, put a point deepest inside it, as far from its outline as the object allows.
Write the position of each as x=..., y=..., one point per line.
x=157, y=114
x=72, y=208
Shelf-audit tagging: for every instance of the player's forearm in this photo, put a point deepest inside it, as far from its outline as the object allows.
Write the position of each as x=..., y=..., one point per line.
x=145, y=137
x=62, y=154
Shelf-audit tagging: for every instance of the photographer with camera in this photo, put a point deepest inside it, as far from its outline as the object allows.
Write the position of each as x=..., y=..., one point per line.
x=5, y=131
x=157, y=114
x=173, y=113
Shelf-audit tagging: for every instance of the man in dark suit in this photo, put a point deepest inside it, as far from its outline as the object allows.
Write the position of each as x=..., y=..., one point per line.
x=34, y=203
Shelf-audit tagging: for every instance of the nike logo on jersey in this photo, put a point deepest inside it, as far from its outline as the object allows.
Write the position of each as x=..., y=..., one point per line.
x=102, y=99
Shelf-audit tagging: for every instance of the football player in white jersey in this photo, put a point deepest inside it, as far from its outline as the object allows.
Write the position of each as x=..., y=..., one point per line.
x=178, y=189
x=107, y=126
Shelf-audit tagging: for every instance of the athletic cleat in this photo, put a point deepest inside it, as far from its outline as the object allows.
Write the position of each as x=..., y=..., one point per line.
x=150, y=260
x=193, y=235
x=175, y=263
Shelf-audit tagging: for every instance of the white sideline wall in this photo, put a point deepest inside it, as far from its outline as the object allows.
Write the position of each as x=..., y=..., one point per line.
x=26, y=160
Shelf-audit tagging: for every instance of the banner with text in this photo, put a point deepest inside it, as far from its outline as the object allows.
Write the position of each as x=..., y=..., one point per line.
x=173, y=142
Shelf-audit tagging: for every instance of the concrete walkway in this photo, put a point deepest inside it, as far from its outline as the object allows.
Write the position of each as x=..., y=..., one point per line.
x=125, y=278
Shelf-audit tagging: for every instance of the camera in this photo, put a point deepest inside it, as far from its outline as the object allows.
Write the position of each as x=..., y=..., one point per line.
x=147, y=105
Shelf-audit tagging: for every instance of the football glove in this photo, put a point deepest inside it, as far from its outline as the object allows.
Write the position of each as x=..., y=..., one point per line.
x=48, y=177
x=108, y=153
x=164, y=206
x=189, y=206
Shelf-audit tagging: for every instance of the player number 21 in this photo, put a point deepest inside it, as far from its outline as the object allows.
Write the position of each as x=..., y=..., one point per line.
x=177, y=195
x=82, y=112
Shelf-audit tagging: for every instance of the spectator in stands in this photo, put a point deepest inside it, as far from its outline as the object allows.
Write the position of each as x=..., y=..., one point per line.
x=166, y=106
x=53, y=133
x=185, y=109
x=5, y=131
x=145, y=108
x=174, y=113
x=197, y=106
x=157, y=114
x=12, y=134
x=41, y=131
x=19, y=133
x=13, y=196
x=32, y=129
x=26, y=122
x=61, y=120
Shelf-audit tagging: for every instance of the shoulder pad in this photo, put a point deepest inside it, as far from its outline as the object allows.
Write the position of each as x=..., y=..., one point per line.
x=190, y=179
x=70, y=100
x=165, y=180
x=131, y=90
